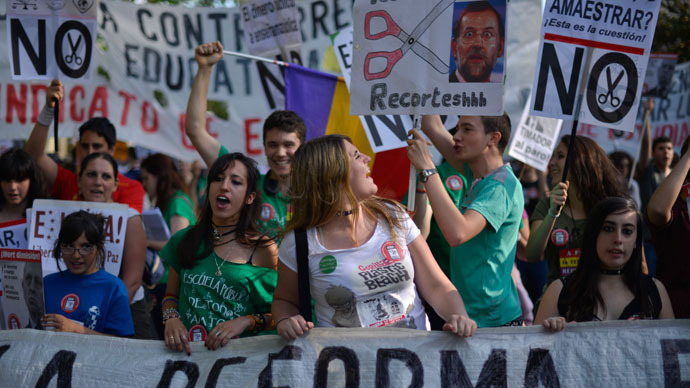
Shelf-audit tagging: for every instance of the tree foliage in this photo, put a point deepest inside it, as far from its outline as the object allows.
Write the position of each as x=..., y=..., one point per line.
x=673, y=29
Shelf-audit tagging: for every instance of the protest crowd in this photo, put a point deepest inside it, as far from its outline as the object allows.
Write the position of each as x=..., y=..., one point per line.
x=490, y=241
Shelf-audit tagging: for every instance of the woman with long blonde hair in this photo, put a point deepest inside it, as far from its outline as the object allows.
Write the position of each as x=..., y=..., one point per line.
x=366, y=258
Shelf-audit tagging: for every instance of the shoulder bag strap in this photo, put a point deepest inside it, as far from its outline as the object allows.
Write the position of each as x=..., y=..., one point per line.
x=302, y=248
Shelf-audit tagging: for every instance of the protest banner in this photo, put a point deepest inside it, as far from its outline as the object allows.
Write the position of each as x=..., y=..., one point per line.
x=13, y=234
x=44, y=228
x=385, y=132
x=657, y=80
x=594, y=354
x=403, y=62
x=535, y=139
x=592, y=60
x=22, y=288
x=51, y=39
x=146, y=71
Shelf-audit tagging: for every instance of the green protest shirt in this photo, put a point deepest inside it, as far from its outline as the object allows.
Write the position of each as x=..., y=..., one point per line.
x=207, y=299
x=275, y=207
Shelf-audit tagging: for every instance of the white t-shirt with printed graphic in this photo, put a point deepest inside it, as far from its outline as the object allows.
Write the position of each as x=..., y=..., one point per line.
x=368, y=286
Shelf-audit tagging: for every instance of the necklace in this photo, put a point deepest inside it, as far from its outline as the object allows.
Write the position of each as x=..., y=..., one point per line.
x=604, y=271
x=218, y=273
x=217, y=235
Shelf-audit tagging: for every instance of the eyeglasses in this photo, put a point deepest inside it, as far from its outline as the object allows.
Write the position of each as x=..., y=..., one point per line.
x=84, y=250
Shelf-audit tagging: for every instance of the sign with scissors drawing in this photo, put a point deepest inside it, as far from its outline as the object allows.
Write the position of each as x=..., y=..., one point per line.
x=594, y=56
x=50, y=39
x=428, y=57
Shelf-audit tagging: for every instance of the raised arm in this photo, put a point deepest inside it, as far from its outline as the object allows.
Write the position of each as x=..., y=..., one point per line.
x=432, y=126
x=541, y=230
x=36, y=145
x=207, y=55
x=661, y=203
x=134, y=255
x=456, y=227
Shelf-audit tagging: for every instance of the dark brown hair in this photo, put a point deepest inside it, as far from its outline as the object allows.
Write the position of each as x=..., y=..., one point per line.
x=168, y=178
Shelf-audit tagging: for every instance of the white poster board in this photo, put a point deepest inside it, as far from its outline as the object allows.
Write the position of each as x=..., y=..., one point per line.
x=154, y=223
x=51, y=39
x=22, y=288
x=535, y=139
x=599, y=49
x=271, y=25
x=47, y=215
x=14, y=234
x=385, y=132
x=405, y=55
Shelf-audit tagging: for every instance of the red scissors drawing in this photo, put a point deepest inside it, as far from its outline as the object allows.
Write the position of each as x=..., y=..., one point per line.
x=409, y=41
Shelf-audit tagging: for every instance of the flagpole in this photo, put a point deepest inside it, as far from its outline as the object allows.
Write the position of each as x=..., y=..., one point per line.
x=256, y=58
x=412, y=188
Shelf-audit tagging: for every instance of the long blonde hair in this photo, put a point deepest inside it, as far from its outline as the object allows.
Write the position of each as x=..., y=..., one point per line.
x=320, y=187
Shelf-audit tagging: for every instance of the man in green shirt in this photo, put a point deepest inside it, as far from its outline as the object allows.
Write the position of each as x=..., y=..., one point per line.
x=283, y=132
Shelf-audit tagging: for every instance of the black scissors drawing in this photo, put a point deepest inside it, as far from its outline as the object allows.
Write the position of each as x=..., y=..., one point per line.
x=74, y=47
x=602, y=98
x=409, y=41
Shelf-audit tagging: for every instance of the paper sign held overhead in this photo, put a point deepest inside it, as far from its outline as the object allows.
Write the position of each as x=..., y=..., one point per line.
x=428, y=57
x=593, y=55
x=535, y=139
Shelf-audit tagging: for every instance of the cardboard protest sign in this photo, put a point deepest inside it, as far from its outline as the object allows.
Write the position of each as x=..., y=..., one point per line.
x=13, y=234
x=535, y=139
x=593, y=354
x=385, y=132
x=47, y=215
x=22, y=288
x=271, y=25
x=51, y=39
x=657, y=81
x=154, y=223
x=593, y=55
x=420, y=57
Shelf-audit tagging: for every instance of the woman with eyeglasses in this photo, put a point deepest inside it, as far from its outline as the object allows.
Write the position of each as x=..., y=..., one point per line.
x=85, y=299
x=97, y=182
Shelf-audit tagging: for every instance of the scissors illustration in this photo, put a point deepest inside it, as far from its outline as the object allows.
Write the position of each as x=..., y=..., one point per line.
x=602, y=98
x=74, y=47
x=409, y=41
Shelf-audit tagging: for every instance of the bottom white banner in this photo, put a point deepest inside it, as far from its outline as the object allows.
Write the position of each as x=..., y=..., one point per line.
x=602, y=354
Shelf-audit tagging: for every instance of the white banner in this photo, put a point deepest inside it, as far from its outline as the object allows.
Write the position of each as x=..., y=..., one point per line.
x=403, y=62
x=51, y=39
x=598, y=354
x=146, y=74
x=594, y=54
x=47, y=216
x=22, y=289
x=535, y=139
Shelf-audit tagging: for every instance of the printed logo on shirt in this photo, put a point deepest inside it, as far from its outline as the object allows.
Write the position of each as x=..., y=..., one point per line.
x=267, y=212
x=391, y=251
x=13, y=322
x=70, y=303
x=559, y=237
x=197, y=333
x=94, y=313
x=328, y=264
x=454, y=182
x=568, y=259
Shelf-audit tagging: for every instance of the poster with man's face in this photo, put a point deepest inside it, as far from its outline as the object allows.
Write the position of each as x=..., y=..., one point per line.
x=659, y=76
x=22, y=283
x=478, y=42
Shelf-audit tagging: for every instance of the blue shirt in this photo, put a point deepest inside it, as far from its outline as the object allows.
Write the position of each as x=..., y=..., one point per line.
x=98, y=301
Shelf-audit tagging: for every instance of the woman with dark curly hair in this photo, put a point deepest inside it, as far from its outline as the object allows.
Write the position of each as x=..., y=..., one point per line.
x=21, y=182
x=557, y=222
x=608, y=283
x=221, y=270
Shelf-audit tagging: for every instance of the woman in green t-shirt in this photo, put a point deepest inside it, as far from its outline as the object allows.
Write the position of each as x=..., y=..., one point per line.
x=221, y=270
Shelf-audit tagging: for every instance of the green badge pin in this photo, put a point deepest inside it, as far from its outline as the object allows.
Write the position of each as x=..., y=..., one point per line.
x=328, y=264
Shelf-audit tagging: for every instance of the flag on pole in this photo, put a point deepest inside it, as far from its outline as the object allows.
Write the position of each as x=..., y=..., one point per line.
x=323, y=102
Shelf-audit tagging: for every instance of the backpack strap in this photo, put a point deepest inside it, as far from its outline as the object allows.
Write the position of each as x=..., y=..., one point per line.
x=302, y=248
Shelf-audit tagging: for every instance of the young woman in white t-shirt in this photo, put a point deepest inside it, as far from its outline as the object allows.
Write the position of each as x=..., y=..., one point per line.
x=366, y=257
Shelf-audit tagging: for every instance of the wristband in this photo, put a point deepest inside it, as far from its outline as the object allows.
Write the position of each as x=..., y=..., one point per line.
x=554, y=215
x=421, y=191
x=46, y=116
x=170, y=314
